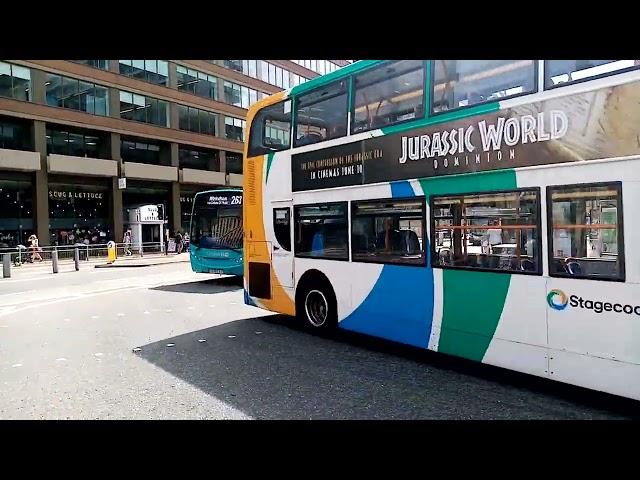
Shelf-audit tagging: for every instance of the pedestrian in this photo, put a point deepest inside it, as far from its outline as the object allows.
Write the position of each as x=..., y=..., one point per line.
x=127, y=243
x=178, y=242
x=35, y=248
x=166, y=241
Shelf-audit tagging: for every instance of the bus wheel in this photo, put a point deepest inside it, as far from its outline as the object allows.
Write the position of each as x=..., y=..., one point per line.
x=317, y=306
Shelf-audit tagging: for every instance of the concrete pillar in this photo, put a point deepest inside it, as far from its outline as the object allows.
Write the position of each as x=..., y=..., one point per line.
x=38, y=87
x=114, y=103
x=114, y=66
x=116, y=208
x=41, y=192
x=173, y=76
x=176, y=212
x=221, y=90
x=223, y=162
x=174, y=115
x=176, y=208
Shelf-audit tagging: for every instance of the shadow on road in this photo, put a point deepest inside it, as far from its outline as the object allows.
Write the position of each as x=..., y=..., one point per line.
x=268, y=368
x=216, y=285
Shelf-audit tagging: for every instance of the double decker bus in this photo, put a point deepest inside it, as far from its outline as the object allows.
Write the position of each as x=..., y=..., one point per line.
x=215, y=244
x=478, y=208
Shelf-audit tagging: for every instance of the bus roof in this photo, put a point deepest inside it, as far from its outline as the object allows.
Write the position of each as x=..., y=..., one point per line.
x=336, y=74
x=220, y=190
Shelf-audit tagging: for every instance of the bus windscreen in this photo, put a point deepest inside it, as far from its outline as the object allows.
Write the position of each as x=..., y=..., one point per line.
x=217, y=220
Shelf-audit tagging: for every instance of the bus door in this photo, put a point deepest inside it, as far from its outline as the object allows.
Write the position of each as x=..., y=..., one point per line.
x=281, y=246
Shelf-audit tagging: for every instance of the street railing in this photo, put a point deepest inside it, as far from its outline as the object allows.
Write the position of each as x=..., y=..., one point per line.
x=86, y=253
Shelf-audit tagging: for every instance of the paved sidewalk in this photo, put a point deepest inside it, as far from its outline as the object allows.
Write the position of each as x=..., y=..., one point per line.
x=146, y=261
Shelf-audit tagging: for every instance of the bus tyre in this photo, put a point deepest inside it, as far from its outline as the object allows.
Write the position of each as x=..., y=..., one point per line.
x=317, y=307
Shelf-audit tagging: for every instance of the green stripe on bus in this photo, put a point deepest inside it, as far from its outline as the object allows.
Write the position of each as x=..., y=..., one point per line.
x=444, y=117
x=330, y=77
x=472, y=301
x=269, y=160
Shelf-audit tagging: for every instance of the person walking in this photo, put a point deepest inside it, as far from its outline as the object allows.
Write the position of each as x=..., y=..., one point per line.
x=178, y=242
x=166, y=241
x=35, y=248
x=127, y=243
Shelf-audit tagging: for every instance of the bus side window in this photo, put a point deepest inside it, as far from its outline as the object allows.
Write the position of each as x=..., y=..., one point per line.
x=322, y=114
x=282, y=227
x=585, y=231
x=270, y=130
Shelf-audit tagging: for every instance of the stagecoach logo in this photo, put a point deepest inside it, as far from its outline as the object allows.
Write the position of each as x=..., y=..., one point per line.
x=558, y=300
x=456, y=146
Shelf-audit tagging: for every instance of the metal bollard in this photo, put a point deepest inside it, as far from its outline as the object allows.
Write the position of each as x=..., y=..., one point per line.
x=76, y=258
x=54, y=260
x=6, y=265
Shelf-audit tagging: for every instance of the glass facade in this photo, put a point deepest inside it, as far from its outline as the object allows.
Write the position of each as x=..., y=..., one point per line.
x=15, y=134
x=234, y=128
x=267, y=72
x=67, y=92
x=197, y=83
x=234, y=163
x=15, y=82
x=101, y=64
x=196, y=120
x=16, y=212
x=152, y=71
x=198, y=159
x=79, y=214
x=140, y=108
x=63, y=140
x=141, y=150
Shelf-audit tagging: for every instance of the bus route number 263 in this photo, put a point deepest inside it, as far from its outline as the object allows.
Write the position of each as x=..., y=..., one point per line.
x=236, y=200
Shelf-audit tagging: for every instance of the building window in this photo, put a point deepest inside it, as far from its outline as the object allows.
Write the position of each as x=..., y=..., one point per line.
x=561, y=72
x=66, y=92
x=101, y=64
x=16, y=213
x=233, y=163
x=586, y=231
x=490, y=231
x=239, y=95
x=196, y=82
x=142, y=151
x=197, y=121
x=79, y=214
x=77, y=143
x=15, y=134
x=390, y=94
x=233, y=65
x=461, y=83
x=15, y=82
x=322, y=114
x=198, y=159
x=153, y=71
x=321, y=231
x=271, y=129
x=234, y=128
x=143, y=109
x=388, y=231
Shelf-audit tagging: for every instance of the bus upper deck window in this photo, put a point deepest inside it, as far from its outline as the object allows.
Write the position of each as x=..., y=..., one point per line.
x=322, y=114
x=270, y=130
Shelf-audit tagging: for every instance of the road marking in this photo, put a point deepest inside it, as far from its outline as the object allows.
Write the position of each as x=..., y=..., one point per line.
x=16, y=365
x=232, y=336
x=61, y=359
x=98, y=354
x=171, y=344
x=202, y=340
